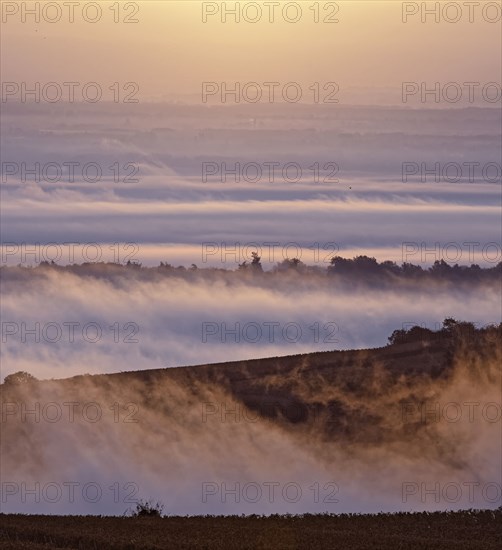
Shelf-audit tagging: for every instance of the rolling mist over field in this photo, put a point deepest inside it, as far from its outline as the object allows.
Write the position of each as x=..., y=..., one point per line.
x=424, y=413
x=104, y=318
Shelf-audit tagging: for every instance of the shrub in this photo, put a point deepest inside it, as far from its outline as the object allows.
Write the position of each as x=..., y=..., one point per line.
x=20, y=377
x=148, y=509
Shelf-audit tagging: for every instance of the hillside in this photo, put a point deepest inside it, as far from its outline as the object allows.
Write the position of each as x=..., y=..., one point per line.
x=339, y=417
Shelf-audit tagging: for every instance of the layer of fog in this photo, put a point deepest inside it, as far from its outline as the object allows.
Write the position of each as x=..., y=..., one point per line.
x=152, y=321
x=368, y=206
x=168, y=448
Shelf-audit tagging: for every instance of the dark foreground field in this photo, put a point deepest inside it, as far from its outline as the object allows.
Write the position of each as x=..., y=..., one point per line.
x=440, y=530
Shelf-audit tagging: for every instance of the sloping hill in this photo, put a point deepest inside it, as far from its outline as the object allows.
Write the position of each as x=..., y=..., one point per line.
x=408, y=413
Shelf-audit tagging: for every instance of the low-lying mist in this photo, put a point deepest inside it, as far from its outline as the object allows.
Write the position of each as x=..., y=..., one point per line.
x=102, y=318
x=413, y=426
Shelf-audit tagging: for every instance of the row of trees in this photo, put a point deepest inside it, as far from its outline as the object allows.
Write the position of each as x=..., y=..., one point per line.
x=364, y=265
x=367, y=267
x=360, y=268
x=451, y=330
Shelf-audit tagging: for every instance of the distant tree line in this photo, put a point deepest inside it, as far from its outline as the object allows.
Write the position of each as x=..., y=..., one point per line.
x=364, y=267
x=452, y=330
x=360, y=269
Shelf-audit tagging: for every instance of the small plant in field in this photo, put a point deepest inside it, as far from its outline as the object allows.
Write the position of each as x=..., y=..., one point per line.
x=147, y=509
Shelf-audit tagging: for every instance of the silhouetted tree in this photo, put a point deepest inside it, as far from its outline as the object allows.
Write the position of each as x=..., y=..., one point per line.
x=449, y=323
x=20, y=377
x=441, y=268
x=256, y=262
x=397, y=337
x=411, y=270
x=291, y=263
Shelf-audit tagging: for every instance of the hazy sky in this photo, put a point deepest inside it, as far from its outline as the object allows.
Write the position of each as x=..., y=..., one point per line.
x=170, y=51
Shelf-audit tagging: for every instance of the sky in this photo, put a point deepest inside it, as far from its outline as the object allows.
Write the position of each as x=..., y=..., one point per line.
x=168, y=49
